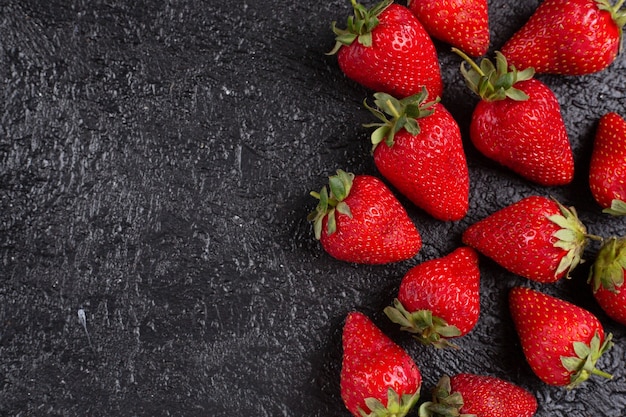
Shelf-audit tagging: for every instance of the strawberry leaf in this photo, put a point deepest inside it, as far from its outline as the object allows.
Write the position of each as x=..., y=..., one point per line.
x=618, y=208
x=396, y=406
x=607, y=270
x=340, y=186
x=583, y=365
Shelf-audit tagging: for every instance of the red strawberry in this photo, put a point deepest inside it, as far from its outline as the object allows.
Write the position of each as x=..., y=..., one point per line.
x=607, y=278
x=423, y=154
x=361, y=221
x=568, y=37
x=561, y=341
x=376, y=373
x=607, y=171
x=439, y=299
x=461, y=23
x=386, y=48
x=536, y=238
x=518, y=122
x=478, y=396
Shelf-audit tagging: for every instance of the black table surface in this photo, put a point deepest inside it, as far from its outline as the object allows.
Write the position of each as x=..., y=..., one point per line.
x=155, y=164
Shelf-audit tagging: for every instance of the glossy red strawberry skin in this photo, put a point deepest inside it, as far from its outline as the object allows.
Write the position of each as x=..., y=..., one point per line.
x=520, y=238
x=429, y=168
x=529, y=137
x=373, y=363
x=567, y=37
x=464, y=23
x=488, y=396
x=607, y=171
x=448, y=287
x=547, y=328
x=379, y=231
x=401, y=60
x=613, y=303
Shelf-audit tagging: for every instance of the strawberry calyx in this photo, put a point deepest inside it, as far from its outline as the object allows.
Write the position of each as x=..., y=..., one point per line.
x=331, y=202
x=618, y=208
x=424, y=327
x=359, y=26
x=607, y=271
x=395, y=115
x=583, y=365
x=397, y=406
x=572, y=237
x=617, y=14
x=445, y=403
x=494, y=82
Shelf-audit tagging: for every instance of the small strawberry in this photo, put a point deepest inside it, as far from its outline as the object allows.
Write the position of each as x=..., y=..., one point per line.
x=518, y=122
x=561, y=341
x=361, y=221
x=422, y=155
x=461, y=23
x=607, y=171
x=378, y=377
x=536, y=238
x=478, y=396
x=385, y=48
x=607, y=278
x=568, y=37
x=439, y=299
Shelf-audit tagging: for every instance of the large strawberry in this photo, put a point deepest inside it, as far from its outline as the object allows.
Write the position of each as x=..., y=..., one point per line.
x=360, y=220
x=607, y=278
x=607, y=171
x=422, y=154
x=479, y=396
x=568, y=37
x=518, y=122
x=385, y=48
x=439, y=299
x=536, y=237
x=376, y=373
x=561, y=341
x=461, y=23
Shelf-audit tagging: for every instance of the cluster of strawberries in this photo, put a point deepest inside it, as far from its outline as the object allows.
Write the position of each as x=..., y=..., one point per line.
x=417, y=147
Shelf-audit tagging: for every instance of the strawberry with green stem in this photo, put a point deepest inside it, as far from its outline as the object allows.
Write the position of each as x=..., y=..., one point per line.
x=518, y=122
x=607, y=278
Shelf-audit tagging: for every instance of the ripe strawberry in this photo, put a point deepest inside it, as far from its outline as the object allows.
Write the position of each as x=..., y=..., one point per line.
x=561, y=341
x=464, y=23
x=479, y=396
x=536, y=237
x=518, y=122
x=568, y=37
x=423, y=153
x=607, y=171
x=387, y=49
x=439, y=299
x=376, y=373
x=607, y=278
x=361, y=221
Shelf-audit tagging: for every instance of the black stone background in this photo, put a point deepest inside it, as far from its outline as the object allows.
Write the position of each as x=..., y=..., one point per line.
x=155, y=164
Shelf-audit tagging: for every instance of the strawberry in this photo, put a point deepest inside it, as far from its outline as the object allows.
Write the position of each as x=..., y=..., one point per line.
x=361, y=221
x=561, y=341
x=479, y=396
x=385, y=48
x=422, y=155
x=568, y=37
x=607, y=278
x=536, y=237
x=439, y=299
x=518, y=122
x=462, y=23
x=607, y=171
x=376, y=373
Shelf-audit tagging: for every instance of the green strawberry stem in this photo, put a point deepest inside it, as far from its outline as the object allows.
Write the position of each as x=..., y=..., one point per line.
x=425, y=328
x=359, y=26
x=445, y=403
x=396, y=406
x=607, y=271
x=404, y=114
x=618, y=207
x=340, y=186
x=494, y=82
x=583, y=365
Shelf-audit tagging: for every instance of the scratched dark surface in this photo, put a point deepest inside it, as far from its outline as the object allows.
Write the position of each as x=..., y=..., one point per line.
x=155, y=164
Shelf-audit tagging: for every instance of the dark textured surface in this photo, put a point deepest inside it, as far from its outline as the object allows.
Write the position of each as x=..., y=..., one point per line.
x=155, y=164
